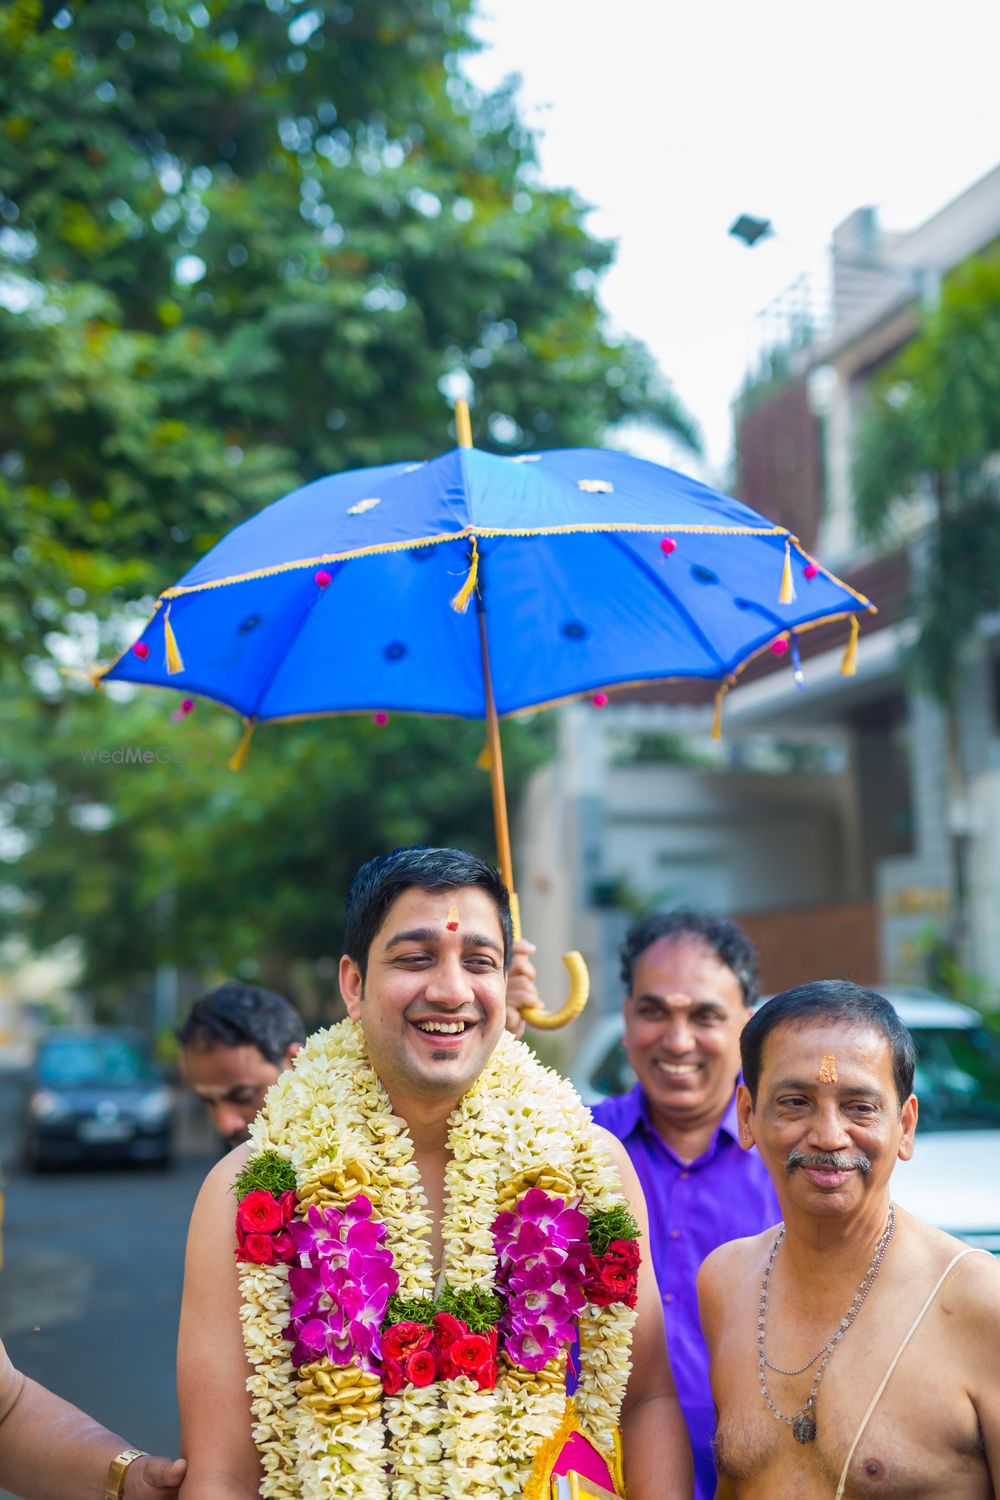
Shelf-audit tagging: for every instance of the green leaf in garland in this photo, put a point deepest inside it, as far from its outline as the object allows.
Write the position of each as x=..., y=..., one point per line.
x=609, y=1224
x=478, y=1308
x=416, y=1310
x=268, y=1173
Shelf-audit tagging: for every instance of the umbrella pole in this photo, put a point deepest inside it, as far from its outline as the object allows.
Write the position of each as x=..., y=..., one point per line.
x=575, y=966
x=463, y=432
x=493, y=748
x=579, y=988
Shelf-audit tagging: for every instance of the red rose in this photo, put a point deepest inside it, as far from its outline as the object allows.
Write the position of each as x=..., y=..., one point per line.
x=613, y=1276
x=447, y=1329
x=284, y=1247
x=627, y=1251
x=402, y=1339
x=620, y=1267
x=445, y=1367
x=259, y=1213
x=471, y=1355
x=288, y=1203
x=420, y=1367
x=594, y=1288
x=393, y=1378
x=257, y=1248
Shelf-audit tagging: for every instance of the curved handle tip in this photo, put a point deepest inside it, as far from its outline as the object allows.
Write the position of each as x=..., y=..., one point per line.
x=579, y=994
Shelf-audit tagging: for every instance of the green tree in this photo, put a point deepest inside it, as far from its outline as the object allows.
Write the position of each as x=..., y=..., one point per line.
x=243, y=244
x=928, y=445
x=176, y=860
x=927, y=463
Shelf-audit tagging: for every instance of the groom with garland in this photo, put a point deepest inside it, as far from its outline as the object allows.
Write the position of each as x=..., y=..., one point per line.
x=425, y=1247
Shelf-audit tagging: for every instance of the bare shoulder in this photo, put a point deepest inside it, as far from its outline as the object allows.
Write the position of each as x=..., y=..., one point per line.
x=972, y=1277
x=972, y=1287
x=613, y=1146
x=215, y=1194
x=725, y=1274
x=619, y=1157
x=964, y=1282
x=730, y=1265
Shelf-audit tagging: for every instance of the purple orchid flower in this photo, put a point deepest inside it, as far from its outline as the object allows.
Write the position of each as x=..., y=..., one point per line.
x=340, y=1291
x=541, y=1247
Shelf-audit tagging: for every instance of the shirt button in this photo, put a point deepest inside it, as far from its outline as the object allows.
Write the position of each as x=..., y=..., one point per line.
x=675, y=1234
x=684, y=1176
x=668, y=1296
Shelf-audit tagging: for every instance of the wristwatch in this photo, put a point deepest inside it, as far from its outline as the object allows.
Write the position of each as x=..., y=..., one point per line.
x=114, y=1485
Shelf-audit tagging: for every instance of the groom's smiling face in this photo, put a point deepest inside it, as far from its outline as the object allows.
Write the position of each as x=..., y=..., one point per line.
x=433, y=1000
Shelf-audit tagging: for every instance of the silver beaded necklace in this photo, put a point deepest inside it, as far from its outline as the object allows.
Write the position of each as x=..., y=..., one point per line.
x=802, y=1422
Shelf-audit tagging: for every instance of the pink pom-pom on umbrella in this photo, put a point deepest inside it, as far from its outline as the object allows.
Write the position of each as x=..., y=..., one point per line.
x=600, y=700
x=380, y=718
x=323, y=579
x=668, y=545
x=809, y=571
x=141, y=650
x=185, y=707
x=779, y=647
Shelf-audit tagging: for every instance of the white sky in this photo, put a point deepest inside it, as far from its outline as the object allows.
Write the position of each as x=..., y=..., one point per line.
x=670, y=120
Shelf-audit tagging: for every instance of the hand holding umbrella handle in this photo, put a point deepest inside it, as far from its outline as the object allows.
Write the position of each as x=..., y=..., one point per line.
x=579, y=975
x=579, y=993
x=579, y=983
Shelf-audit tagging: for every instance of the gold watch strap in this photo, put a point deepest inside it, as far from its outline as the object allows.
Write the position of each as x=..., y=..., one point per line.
x=115, y=1482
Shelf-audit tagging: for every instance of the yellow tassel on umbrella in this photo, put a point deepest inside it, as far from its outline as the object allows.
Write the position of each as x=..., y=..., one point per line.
x=460, y=603
x=717, y=716
x=175, y=662
x=849, y=665
x=239, y=755
x=787, y=591
x=484, y=761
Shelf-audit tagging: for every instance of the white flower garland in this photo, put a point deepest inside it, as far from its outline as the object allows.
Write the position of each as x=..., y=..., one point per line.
x=535, y=1139
x=332, y=1119
x=264, y=1314
x=605, y=1332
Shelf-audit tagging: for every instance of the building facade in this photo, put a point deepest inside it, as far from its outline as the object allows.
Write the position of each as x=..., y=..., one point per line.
x=851, y=827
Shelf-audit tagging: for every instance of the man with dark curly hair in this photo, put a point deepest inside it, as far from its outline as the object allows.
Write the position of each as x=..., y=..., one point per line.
x=235, y=1043
x=690, y=985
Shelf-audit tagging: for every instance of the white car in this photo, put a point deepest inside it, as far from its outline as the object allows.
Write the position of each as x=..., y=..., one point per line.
x=953, y=1179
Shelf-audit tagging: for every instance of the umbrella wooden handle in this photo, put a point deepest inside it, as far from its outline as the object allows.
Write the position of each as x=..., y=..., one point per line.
x=579, y=994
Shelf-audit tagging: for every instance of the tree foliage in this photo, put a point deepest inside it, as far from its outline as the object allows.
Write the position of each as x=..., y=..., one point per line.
x=930, y=440
x=243, y=244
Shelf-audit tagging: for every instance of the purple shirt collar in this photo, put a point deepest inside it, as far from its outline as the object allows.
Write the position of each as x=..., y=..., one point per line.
x=633, y=1111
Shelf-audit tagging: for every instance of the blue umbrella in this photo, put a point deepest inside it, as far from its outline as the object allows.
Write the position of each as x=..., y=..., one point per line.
x=587, y=569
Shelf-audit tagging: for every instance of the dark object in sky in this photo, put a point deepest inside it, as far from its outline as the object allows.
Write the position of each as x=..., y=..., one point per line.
x=749, y=229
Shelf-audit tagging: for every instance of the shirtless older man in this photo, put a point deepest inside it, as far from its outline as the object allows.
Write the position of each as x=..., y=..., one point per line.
x=855, y=1352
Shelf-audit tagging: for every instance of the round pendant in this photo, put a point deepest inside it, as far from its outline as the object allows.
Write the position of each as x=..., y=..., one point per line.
x=803, y=1428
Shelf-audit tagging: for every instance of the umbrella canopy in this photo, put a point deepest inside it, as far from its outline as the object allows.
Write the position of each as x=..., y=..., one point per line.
x=589, y=569
x=593, y=569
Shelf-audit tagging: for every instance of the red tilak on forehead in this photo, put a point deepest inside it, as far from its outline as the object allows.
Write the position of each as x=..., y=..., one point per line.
x=451, y=920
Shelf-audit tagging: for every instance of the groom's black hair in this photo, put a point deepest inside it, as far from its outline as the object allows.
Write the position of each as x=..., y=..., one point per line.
x=379, y=882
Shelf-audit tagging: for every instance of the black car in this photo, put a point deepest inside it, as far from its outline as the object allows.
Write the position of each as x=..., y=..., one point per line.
x=96, y=1095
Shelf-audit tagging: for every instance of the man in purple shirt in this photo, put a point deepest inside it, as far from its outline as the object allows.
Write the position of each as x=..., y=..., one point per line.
x=691, y=982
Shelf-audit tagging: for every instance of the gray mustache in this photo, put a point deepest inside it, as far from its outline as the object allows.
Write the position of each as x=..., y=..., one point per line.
x=833, y=1160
